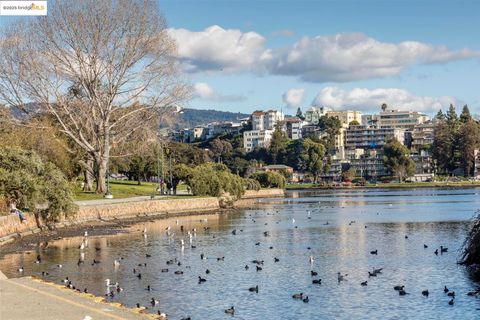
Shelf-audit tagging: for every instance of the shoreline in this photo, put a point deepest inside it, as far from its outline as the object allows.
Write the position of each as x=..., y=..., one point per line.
x=108, y=218
x=386, y=186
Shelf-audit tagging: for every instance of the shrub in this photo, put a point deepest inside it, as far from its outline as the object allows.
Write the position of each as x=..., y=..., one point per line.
x=269, y=179
x=25, y=179
x=251, y=184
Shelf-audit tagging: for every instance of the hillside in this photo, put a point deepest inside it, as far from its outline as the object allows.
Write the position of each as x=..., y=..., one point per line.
x=194, y=117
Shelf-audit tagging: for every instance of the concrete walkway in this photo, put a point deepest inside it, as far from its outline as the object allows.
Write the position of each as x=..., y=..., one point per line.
x=27, y=298
x=126, y=200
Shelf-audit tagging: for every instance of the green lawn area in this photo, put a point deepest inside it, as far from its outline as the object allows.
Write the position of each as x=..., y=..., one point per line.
x=123, y=189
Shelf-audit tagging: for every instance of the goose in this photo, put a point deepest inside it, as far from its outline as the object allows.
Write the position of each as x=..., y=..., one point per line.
x=317, y=281
x=398, y=288
x=201, y=280
x=425, y=293
x=364, y=283
x=298, y=295
x=154, y=302
x=305, y=299
x=231, y=310
x=253, y=289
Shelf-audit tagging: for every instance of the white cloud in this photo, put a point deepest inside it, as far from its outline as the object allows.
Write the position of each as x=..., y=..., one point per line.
x=205, y=92
x=293, y=98
x=218, y=49
x=340, y=57
x=371, y=100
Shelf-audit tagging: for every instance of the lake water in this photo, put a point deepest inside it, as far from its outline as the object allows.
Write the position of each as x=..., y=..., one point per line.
x=338, y=228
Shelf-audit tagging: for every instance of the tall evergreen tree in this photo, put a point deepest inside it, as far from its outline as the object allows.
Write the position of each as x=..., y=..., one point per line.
x=299, y=114
x=465, y=116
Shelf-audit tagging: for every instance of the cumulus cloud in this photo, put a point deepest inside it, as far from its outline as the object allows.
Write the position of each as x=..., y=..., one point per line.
x=218, y=49
x=205, y=92
x=340, y=57
x=293, y=98
x=371, y=100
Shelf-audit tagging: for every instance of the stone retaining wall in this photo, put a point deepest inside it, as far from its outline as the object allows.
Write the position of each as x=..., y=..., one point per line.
x=11, y=228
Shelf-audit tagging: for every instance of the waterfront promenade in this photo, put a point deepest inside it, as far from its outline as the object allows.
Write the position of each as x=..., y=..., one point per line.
x=28, y=298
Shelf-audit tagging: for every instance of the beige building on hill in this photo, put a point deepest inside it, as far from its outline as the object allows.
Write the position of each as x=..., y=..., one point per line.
x=346, y=116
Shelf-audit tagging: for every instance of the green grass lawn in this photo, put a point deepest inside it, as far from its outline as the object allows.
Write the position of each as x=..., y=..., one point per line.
x=123, y=189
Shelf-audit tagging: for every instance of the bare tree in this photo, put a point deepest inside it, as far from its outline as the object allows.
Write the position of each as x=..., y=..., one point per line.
x=101, y=68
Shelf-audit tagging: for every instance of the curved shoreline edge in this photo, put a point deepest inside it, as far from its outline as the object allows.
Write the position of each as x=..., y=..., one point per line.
x=11, y=228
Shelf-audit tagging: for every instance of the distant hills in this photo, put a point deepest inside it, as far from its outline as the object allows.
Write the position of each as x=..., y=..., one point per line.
x=195, y=117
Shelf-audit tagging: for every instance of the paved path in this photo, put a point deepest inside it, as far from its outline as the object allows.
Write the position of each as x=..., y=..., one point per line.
x=124, y=200
x=27, y=298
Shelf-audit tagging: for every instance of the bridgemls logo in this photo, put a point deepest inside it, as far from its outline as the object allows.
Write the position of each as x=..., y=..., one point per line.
x=23, y=8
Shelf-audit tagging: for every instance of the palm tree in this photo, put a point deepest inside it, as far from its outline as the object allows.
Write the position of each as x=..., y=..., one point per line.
x=384, y=107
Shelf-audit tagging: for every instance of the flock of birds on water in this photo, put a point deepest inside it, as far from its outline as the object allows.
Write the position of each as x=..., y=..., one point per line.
x=112, y=289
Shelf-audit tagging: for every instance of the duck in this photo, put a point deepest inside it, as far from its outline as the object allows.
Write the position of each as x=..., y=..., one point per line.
x=164, y=270
x=207, y=271
x=305, y=300
x=425, y=246
x=246, y=267
x=148, y=255
x=20, y=269
x=341, y=277
x=436, y=252
x=67, y=280
x=364, y=283
x=374, y=251
x=253, y=289
x=451, y=302
x=425, y=293
x=377, y=271
x=312, y=259
x=230, y=310
x=298, y=295
x=201, y=280
x=445, y=289
x=276, y=259
x=317, y=281
x=259, y=268
x=451, y=294
x=178, y=272
x=402, y=292
x=139, y=276
x=154, y=302
x=148, y=288
x=314, y=273
x=116, y=263
x=372, y=274
x=442, y=249
x=398, y=288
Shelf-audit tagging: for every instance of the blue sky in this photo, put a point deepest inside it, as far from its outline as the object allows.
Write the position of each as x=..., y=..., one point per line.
x=437, y=72
x=346, y=54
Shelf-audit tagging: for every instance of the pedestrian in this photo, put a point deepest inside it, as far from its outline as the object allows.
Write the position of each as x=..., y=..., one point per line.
x=16, y=211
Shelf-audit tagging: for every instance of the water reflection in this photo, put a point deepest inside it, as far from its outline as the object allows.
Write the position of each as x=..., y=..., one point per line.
x=339, y=233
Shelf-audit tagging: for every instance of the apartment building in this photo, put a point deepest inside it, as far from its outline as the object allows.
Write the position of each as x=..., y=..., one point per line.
x=346, y=116
x=364, y=137
x=396, y=119
x=266, y=120
x=293, y=127
x=422, y=135
x=313, y=114
x=256, y=139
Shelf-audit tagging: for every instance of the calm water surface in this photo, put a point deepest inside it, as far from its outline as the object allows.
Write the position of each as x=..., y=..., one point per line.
x=382, y=220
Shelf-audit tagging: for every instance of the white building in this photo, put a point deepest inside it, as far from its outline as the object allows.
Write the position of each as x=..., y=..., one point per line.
x=256, y=139
x=313, y=115
x=396, y=119
x=266, y=120
x=294, y=128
